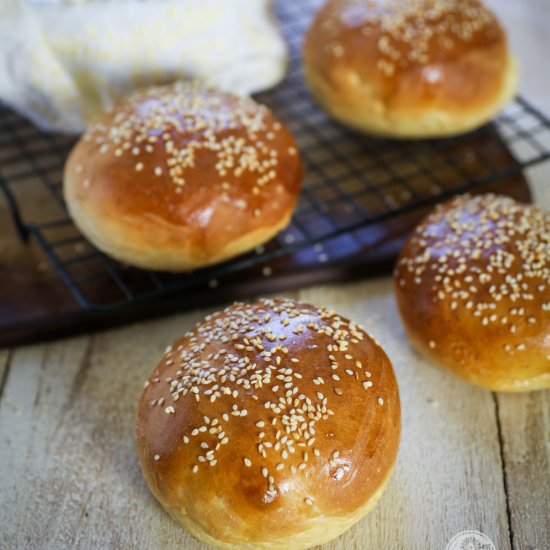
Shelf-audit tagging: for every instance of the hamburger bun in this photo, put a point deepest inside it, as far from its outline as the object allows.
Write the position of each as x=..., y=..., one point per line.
x=270, y=425
x=182, y=176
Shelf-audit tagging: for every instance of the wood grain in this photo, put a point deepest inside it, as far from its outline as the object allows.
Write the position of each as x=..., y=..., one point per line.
x=5, y=357
x=69, y=473
x=448, y=476
x=525, y=433
x=71, y=479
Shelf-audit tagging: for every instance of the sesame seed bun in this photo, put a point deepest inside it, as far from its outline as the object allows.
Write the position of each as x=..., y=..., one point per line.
x=473, y=290
x=409, y=68
x=181, y=176
x=270, y=425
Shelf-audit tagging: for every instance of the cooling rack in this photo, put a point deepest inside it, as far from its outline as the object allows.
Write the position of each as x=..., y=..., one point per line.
x=352, y=182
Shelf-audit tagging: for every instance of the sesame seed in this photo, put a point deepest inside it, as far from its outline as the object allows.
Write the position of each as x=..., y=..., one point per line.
x=237, y=351
x=207, y=119
x=487, y=239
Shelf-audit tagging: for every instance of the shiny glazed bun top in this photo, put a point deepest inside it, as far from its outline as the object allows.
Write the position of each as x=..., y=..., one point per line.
x=274, y=424
x=180, y=176
x=410, y=68
x=473, y=289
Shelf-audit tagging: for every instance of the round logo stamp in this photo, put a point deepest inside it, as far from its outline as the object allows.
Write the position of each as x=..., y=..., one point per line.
x=470, y=540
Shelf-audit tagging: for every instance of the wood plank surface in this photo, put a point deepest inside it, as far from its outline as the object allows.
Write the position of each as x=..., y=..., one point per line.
x=448, y=477
x=71, y=479
x=5, y=357
x=525, y=433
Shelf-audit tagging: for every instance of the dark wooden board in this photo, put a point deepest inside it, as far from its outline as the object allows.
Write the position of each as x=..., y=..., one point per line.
x=35, y=304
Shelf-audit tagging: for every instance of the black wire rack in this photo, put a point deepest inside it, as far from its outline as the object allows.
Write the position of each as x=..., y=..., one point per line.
x=351, y=182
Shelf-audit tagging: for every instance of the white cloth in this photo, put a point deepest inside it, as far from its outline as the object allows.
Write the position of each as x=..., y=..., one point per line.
x=63, y=62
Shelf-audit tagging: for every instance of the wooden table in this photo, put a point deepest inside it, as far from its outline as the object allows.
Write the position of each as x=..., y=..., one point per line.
x=469, y=459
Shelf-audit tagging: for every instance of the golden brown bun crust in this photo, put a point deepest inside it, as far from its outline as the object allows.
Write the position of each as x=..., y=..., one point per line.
x=409, y=68
x=182, y=176
x=285, y=430
x=473, y=290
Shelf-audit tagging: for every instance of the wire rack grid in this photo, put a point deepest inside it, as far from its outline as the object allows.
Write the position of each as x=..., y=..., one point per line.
x=351, y=181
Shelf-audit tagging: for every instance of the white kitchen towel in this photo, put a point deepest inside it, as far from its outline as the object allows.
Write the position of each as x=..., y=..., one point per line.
x=63, y=62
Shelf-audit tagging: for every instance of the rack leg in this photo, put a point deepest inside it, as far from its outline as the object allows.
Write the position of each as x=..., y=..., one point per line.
x=20, y=226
